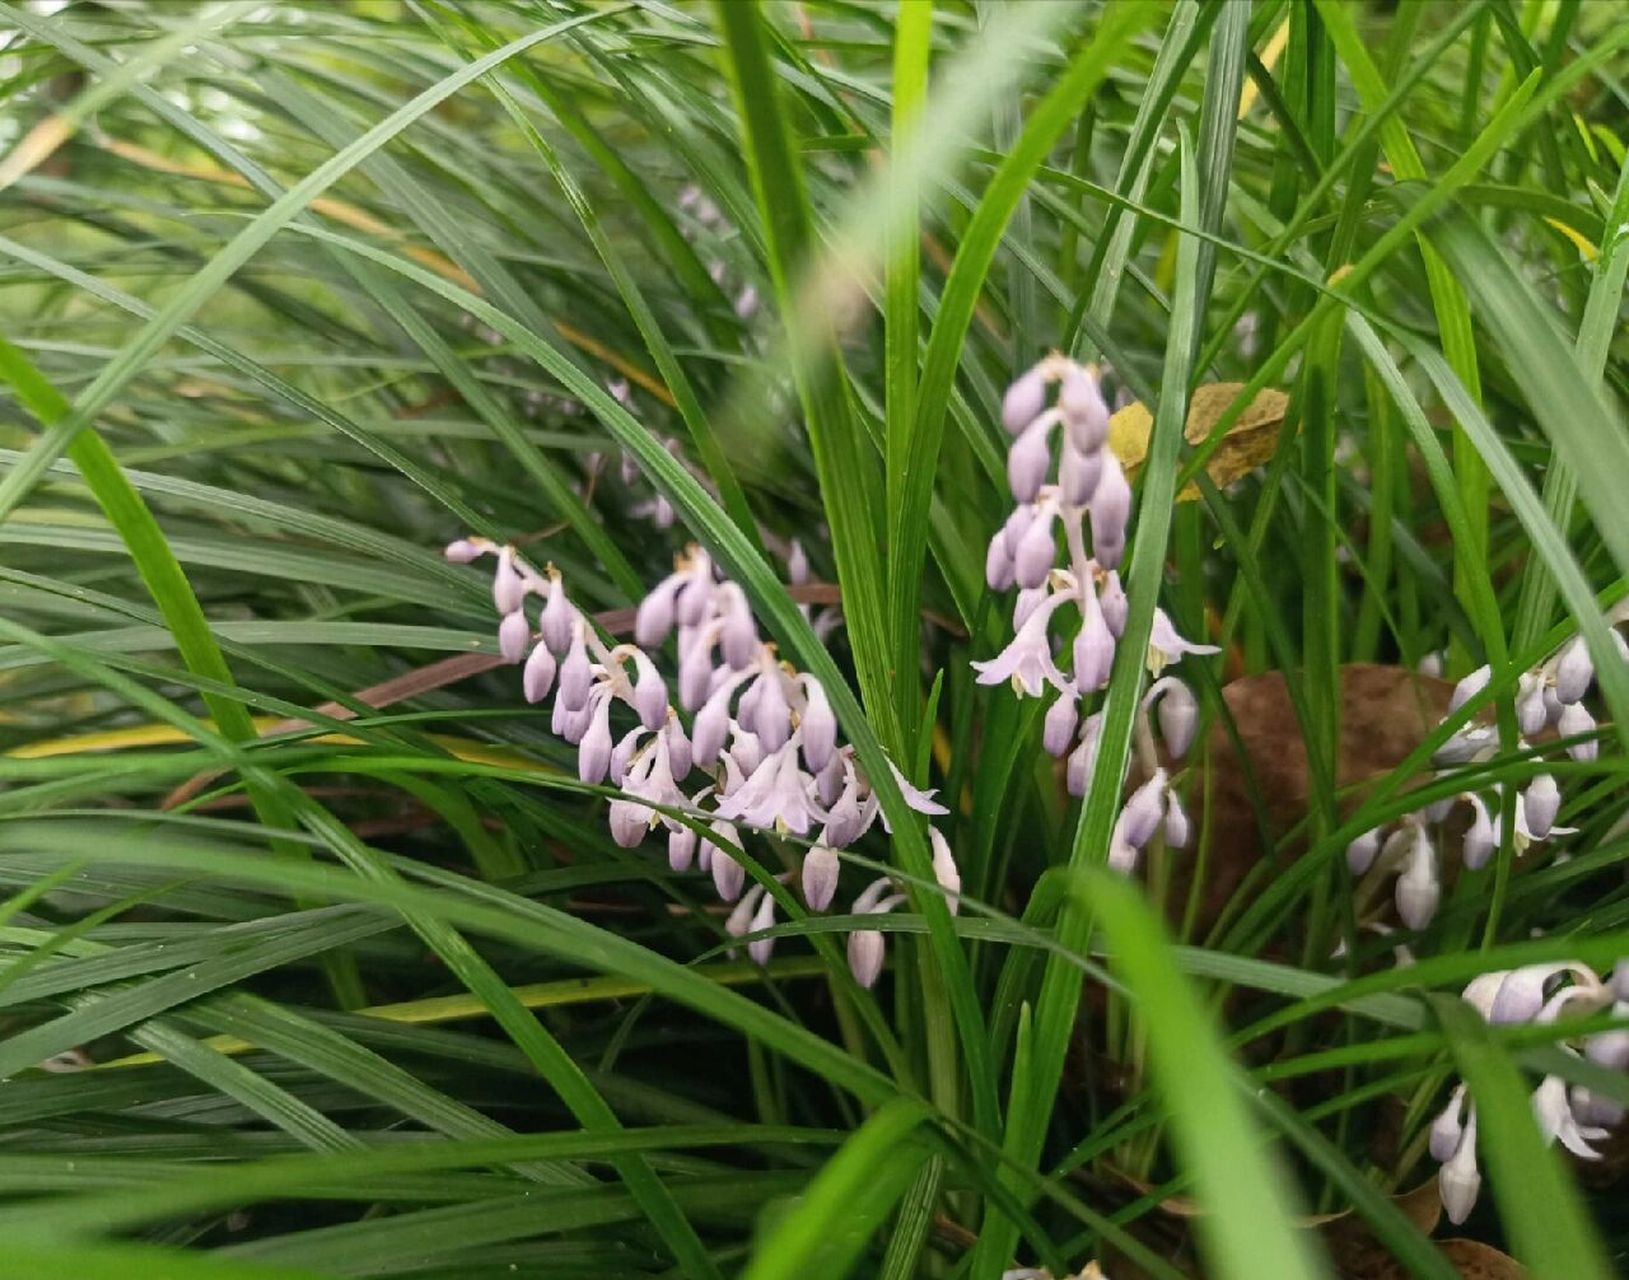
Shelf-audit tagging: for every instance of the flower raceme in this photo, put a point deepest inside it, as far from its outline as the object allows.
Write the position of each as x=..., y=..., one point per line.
x=1540, y=993
x=1064, y=476
x=761, y=736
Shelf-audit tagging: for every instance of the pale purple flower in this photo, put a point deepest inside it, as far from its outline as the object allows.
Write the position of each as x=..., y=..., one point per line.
x=1027, y=660
x=1025, y=401
x=537, y=676
x=1418, y=888
x=999, y=570
x=629, y=822
x=1575, y=722
x=1078, y=473
x=817, y=724
x=464, y=551
x=576, y=674
x=1094, y=645
x=1469, y=687
x=759, y=949
x=1542, y=801
x=1058, y=731
x=1079, y=770
x=508, y=587
x=594, y=751
x=820, y=871
x=559, y=622
x=1085, y=414
x=1141, y=817
x=1177, y=827
x=1178, y=714
x=514, y=633
x=1030, y=458
x=681, y=848
x=1448, y=1129
x=1165, y=646
x=1111, y=511
x=740, y=632
x=1530, y=713
x=1556, y=1121
x=945, y=871
x=1574, y=672
x=1362, y=851
x=1459, y=1181
x=650, y=693
x=1480, y=839
x=1036, y=549
x=1111, y=598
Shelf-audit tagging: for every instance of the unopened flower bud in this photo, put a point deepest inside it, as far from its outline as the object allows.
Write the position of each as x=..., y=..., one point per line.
x=463, y=551
x=1521, y=995
x=695, y=671
x=1029, y=460
x=559, y=620
x=1469, y=687
x=820, y=871
x=945, y=871
x=819, y=726
x=654, y=618
x=650, y=694
x=740, y=633
x=1024, y=402
x=772, y=717
x=1094, y=646
x=1480, y=838
x=576, y=676
x=594, y=751
x=1141, y=817
x=513, y=635
x=1448, y=1129
x=1036, y=550
x=1179, y=717
x=759, y=949
x=1111, y=509
x=1111, y=598
x=1079, y=771
x=508, y=587
x=1177, y=827
x=866, y=950
x=1085, y=414
x=629, y=822
x=691, y=604
x=998, y=566
x=1575, y=722
x=1079, y=473
x=537, y=676
x=1573, y=671
x=1418, y=889
x=1361, y=853
x=728, y=874
x=1542, y=801
x=681, y=848
x=1459, y=1181
x=1058, y=732
x=1531, y=716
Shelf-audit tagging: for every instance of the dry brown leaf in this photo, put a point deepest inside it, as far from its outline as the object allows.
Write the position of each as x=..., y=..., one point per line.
x=1249, y=442
x=1385, y=713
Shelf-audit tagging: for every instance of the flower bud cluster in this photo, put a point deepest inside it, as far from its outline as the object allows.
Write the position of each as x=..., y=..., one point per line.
x=1064, y=476
x=760, y=750
x=1576, y=1117
x=1551, y=694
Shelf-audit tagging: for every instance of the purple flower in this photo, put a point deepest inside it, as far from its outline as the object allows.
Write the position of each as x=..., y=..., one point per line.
x=1361, y=853
x=1085, y=414
x=1079, y=473
x=1459, y=1182
x=1024, y=402
x=1574, y=671
x=1036, y=549
x=817, y=724
x=1111, y=598
x=820, y=871
x=537, y=676
x=1027, y=660
x=1030, y=458
x=1111, y=511
x=1542, y=801
x=1059, y=729
x=514, y=634
x=508, y=587
x=1480, y=840
x=1094, y=645
x=1469, y=687
x=1165, y=646
x=1418, y=889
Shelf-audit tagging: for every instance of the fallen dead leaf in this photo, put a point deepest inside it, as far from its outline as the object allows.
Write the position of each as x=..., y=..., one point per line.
x=1249, y=442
